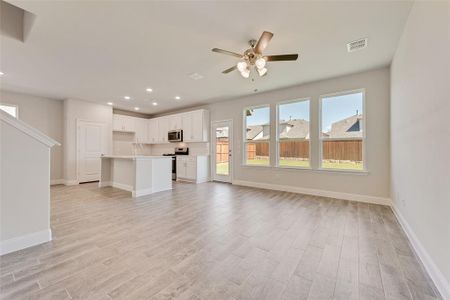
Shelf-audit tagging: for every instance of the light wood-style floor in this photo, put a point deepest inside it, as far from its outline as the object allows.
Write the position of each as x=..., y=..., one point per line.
x=215, y=241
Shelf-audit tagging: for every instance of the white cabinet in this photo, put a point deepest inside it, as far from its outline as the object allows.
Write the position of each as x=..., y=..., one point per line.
x=141, y=131
x=152, y=126
x=123, y=123
x=193, y=168
x=195, y=126
x=174, y=122
x=163, y=129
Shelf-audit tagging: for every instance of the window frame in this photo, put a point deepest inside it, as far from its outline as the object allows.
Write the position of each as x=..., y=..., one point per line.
x=244, y=136
x=363, y=139
x=12, y=105
x=277, y=134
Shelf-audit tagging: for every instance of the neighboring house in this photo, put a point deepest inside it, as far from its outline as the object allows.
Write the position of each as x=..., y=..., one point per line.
x=258, y=132
x=222, y=133
x=347, y=128
x=299, y=129
x=292, y=129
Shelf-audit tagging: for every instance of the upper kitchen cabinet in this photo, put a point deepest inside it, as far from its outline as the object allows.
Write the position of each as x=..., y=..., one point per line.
x=141, y=129
x=152, y=130
x=163, y=129
x=123, y=123
x=174, y=122
x=195, y=126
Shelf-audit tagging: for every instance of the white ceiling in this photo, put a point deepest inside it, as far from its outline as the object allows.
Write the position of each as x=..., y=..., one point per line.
x=101, y=51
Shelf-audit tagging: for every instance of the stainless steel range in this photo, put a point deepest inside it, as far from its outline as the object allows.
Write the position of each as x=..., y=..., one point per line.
x=178, y=151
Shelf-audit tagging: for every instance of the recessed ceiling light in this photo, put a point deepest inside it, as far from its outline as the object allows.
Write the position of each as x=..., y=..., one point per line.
x=1, y=73
x=127, y=98
x=149, y=90
x=110, y=103
x=136, y=108
x=177, y=97
x=155, y=103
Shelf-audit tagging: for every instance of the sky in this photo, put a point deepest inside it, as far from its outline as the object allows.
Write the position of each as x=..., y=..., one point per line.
x=334, y=109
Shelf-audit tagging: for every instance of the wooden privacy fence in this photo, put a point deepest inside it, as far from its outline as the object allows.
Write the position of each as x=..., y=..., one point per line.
x=332, y=150
x=343, y=150
x=222, y=147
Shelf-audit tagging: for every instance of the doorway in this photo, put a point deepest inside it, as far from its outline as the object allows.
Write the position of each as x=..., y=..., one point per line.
x=90, y=146
x=222, y=158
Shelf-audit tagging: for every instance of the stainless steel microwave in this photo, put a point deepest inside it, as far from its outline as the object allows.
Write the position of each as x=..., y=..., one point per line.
x=175, y=136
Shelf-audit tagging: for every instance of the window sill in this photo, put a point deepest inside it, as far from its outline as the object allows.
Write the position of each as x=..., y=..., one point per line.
x=320, y=170
x=344, y=171
x=294, y=168
x=256, y=166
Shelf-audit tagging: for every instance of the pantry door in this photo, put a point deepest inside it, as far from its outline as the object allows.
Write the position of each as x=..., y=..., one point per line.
x=90, y=146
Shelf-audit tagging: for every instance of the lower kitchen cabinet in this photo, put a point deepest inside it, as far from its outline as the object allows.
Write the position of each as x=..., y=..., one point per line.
x=193, y=168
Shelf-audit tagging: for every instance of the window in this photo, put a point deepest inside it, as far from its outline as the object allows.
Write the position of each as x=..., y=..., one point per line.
x=257, y=136
x=293, y=134
x=342, y=131
x=10, y=109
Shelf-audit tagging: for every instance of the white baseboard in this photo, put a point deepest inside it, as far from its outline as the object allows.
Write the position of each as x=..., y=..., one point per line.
x=56, y=181
x=70, y=182
x=122, y=186
x=436, y=275
x=315, y=192
x=25, y=241
x=104, y=183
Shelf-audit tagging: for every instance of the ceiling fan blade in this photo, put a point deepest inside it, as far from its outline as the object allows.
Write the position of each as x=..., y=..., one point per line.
x=263, y=42
x=229, y=69
x=226, y=52
x=282, y=57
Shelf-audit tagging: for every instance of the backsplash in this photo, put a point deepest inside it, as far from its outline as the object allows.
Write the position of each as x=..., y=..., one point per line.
x=123, y=145
x=194, y=148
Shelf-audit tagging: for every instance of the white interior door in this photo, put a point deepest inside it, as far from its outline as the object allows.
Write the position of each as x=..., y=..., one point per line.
x=90, y=147
x=222, y=149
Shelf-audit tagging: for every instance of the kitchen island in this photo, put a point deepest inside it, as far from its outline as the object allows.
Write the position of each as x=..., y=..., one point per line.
x=141, y=175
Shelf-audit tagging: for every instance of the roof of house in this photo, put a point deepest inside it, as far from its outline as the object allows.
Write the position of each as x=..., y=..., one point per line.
x=294, y=129
x=348, y=127
x=255, y=132
x=299, y=129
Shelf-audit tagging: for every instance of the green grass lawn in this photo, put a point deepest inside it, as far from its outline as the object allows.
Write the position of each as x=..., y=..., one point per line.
x=222, y=168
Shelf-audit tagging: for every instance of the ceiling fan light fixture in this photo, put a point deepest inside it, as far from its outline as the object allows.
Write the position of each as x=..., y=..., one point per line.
x=262, y=72
x=260, y=63
x=242, y=66
x=245, y=73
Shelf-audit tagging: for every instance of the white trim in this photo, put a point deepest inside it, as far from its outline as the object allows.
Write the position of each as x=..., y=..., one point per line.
x=316, y=192
x=27, y=129
x=364, y=125
x=436, y=275
x=56, y=181
x=122, y=186
x=25, y=241
x=70, y=182
x=277, y=132
x=12, y=105
x=215, y=177
x=104, y=183
x=244, y=132
x=143, y=192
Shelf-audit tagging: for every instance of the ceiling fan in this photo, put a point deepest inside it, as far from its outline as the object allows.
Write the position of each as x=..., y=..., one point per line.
x=253, y=57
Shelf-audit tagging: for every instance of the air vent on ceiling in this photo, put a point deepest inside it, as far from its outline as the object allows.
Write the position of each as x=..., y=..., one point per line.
x=357, y=45
x=195, y=76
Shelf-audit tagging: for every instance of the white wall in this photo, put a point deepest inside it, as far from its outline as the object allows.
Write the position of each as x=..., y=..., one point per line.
x=25, y=191
x=80, y=110
x=420, y=135
x=373, y=186
x=45, y=115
